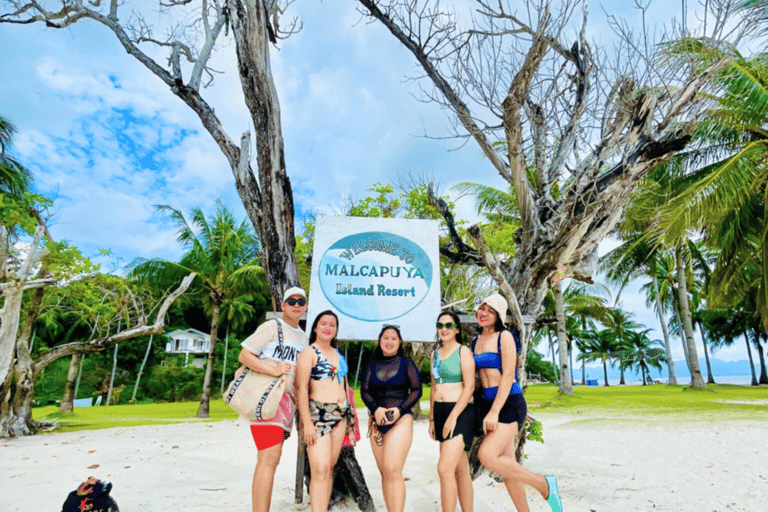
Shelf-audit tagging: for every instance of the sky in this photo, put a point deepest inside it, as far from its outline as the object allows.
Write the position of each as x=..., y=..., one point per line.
x=107, y=140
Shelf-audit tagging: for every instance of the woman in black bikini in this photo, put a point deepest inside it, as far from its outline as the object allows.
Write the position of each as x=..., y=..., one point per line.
x=502, y=406
x=326, y=415
x=390, y=388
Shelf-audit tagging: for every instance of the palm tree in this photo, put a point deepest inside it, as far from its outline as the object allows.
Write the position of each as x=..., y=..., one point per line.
x=638, y=257
x=643, y=353
x=600, y=346
x=621, y=323
x=726, y=196
x=223, y=255
x=15, y=179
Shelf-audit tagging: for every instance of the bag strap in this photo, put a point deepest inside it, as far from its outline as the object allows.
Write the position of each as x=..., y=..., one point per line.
x=279, y=332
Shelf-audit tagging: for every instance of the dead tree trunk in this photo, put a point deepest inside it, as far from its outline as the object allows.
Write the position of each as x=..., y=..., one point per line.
x=16, y=413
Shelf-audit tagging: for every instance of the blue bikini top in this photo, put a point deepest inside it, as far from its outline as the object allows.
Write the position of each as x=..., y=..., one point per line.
x=493, y=359
x=323, y=369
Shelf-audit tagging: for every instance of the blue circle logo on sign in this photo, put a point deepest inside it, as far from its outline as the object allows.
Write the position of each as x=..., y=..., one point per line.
x=375, y=276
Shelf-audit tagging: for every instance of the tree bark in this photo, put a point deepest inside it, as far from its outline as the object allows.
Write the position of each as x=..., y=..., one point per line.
x=112, y=375
x=751, y=361
x=205, y=407
x=672, y=379
x=141, y=368
x=566, y=384
x=761, y=357
x=271, y=208
x=67, y=401
x=710, y=377
x=697, y=381
x=605, y=373
x=16, y=412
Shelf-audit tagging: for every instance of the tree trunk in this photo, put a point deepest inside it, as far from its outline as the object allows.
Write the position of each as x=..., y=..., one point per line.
x=552, y=348
x=271, y=208
x=622, y=382
x=79, y=373
x=583, y=373
x=359, y=361
x=667, y=344
x=566, y=384
x=697, y=381
x=710, y=377
x=112, y=376
x=605, y=373
x=348, y=481
x=67, y=401
x=751, y=361
x=141, y=368
x=761, y=357
x=224, y=365
x=204, y=410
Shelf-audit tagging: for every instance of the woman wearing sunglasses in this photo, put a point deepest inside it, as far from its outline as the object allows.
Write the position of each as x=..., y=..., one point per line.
x=452, y=417
x=326, y=414
x=502, y=407
x=390, y=388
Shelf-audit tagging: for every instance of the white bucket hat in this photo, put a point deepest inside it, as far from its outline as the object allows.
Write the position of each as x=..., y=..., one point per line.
x=499, y=304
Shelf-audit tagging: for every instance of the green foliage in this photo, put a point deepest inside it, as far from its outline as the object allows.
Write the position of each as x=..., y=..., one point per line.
x=15, y=179
x=175, y=382
x=535, y=431
x=535, y=364
x=16, y=211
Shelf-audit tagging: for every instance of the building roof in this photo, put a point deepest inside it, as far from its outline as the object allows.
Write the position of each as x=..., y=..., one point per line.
x=194, y=333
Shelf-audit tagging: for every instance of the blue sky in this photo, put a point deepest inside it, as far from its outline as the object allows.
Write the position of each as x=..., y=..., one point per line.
x=107, y=140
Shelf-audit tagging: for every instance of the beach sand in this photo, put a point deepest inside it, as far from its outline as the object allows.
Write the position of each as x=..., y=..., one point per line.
x=602, y=466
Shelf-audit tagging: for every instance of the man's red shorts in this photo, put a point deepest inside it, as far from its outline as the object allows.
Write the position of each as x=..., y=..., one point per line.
x=267, y=436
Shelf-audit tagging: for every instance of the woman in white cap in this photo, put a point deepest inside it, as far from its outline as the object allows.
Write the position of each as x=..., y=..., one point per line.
x=501, y=406
x=273, y=350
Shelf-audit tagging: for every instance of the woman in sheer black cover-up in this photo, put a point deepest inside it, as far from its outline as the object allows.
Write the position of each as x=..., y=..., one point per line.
x=391, y=387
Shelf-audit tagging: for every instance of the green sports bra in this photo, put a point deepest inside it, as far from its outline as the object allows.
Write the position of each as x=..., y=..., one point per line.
x=448, y=371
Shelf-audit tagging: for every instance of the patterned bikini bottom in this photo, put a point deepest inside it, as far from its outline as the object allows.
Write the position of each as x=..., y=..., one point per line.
x=325, y=416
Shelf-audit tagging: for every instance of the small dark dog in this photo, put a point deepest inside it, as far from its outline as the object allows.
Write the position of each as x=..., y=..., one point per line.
x=91, y=496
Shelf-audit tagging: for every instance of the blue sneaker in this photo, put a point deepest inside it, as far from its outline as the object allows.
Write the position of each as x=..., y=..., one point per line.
x=554, y=495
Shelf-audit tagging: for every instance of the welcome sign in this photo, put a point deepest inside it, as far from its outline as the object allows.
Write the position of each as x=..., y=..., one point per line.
x=374, y=271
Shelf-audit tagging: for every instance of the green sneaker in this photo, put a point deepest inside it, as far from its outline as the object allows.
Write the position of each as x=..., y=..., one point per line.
x=554, y=495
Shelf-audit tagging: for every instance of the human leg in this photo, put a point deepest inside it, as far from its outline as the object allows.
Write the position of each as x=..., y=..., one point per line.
x=390, y=458
x=464, y=485
x=264, y=476
x=451, y=452
x=497, y=454
x=321, y=461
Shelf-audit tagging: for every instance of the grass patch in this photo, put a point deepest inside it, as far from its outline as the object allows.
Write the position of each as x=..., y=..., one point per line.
x=588, y=404
x=725, y=400
x=95, y=418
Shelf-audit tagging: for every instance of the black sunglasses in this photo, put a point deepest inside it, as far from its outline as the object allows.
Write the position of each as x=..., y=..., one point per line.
x=292, y=302
x=390, y=326
x=447, y=325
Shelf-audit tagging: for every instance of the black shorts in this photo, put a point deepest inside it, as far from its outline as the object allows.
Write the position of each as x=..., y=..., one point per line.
x=465, y=424
x=513, y=410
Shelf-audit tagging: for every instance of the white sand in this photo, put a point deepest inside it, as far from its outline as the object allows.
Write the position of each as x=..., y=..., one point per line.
x=602, y=466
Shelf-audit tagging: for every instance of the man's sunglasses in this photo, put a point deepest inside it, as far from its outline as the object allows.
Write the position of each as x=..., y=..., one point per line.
x=293, y=302
x=448, y=325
